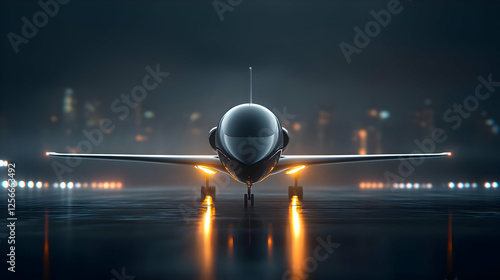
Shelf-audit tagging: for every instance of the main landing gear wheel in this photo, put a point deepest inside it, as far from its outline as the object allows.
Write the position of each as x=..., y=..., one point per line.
x=296, y=190
x=207, y=190
x=252, y=200
x=245, y=200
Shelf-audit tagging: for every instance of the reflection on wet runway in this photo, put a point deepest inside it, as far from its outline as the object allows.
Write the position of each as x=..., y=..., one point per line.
x=163, y=233
x=207, y=241
x=297, y=240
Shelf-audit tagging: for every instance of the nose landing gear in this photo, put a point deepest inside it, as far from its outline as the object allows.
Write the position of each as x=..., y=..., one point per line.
x=249, y=195
x=295, y=189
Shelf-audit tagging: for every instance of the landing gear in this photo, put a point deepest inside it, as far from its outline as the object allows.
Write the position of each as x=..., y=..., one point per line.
x=207, y=190
x=296, y=189
x=249, y=196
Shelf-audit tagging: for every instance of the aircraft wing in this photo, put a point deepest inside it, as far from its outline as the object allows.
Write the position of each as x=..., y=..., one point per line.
x=211, y=161
x=288, y=162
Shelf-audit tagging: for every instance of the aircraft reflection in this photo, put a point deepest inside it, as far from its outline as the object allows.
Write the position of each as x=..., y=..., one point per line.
x=46, y=265
x=450, y=250
x=207, y=263
x=297, y=240
x=250, y=239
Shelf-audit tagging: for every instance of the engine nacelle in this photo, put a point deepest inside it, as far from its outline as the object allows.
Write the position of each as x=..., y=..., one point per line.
x=211, y=138
x=286, y=138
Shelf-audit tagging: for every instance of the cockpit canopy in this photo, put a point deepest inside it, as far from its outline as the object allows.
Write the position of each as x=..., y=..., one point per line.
x=249, y=132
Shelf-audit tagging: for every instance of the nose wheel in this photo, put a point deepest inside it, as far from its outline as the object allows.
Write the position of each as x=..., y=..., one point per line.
x=249, y=196
x=295, y=189
x=207, y=190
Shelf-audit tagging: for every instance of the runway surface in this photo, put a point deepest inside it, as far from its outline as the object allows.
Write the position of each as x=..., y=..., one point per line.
x=335, y=233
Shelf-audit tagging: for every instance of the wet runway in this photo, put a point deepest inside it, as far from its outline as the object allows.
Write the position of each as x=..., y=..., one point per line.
x=335, y=233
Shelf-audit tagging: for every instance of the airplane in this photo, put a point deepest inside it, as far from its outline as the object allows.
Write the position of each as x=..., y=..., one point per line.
x=249, y=143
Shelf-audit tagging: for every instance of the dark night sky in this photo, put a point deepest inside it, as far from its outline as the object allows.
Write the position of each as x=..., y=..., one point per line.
x=431, y=50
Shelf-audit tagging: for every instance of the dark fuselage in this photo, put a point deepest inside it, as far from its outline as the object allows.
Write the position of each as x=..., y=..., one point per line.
x=249, y=141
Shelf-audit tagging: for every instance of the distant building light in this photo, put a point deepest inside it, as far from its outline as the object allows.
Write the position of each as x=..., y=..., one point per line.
x=384, y=114
x=149, y=114
x=140, y=138
x=297, y=126
x=194, y=116
x=372, y=113
x=490, y=122
x=495, y=129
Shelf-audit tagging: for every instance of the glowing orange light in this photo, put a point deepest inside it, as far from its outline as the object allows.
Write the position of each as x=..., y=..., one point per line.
x=85, y=185
x=112, y=185
x=94, y=185
x=297, y=238
x=205, y=169
x=449, y=154
x=380, y=185
x=208, y=201
x=362, y=185
x=100, y=185
x=295, y=169
x=106, y=185
x=119, y=185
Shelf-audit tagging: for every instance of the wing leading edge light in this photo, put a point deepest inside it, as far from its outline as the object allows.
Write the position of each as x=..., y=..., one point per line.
x=249, y=142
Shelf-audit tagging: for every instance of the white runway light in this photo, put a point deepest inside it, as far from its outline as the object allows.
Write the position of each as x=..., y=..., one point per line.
x=22, y=184
x=451, y=185
x=39, y=184
x=487, y=185
x=494, y=185
x=31, y=184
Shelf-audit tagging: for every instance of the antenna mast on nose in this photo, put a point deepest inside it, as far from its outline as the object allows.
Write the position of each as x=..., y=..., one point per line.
x=250, y=68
